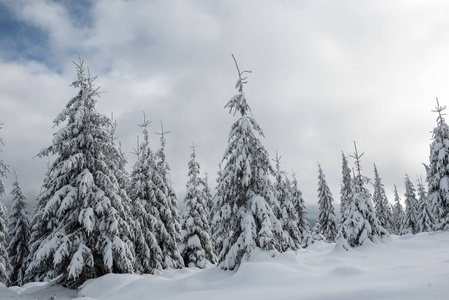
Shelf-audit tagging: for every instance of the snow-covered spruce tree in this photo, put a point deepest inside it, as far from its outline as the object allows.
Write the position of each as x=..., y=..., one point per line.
x=119, y=165
x=346, y=188
x=5, y=267
x=398, y=212
x=40, y=228
x=327, y=223
x=123, y=201
x=313, y=236
x=83, y=230
x=425, y=219
x=197, y=249
x=300, y=206
x=18, y=250
x=288, y=215
x=245, y=219
x=381, y=205
x=168, y=202
x=409, y=221
x=143, y=191
x=361, y=222
x=122, y=175
x=209, y=197
x=215, y=209
x=438, y=172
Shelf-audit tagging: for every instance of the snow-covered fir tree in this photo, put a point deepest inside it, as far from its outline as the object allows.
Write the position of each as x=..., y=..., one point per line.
x=313, y=236
x=79, y=228
x=168, y=200
x=5, y=267
x=438, y=172
x=245, y=217
x=155, y=247
x=346, y=188
x=287, y=214
x=409, y=221
x=119, y=165
x=39, y=229
x=381, y=205
x=398, y=212
x=18, y=250
x=123, y=179
x=361, y=222
x=209, y=197
x=300, y=206
x=326, y=222
x=215, y=209
x=425, y=219
x=197, y=249
x=148, y=254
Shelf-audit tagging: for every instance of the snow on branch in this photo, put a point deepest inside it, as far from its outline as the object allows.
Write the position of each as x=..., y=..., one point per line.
x=162, y=134
x=241, y=80
x=238, y=102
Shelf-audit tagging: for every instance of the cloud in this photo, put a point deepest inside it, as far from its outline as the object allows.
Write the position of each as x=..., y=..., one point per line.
x=32, y=96
x=325, y=74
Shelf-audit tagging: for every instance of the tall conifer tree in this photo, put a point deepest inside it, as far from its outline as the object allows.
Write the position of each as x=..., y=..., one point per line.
x=346, y=188
x=215, y=223
x=81, y=220
x=326, y=213
x=209, y=197
x=156, y=247
x=287, y=214
x=381, y=204
x=438, y=171
x=300, y=206
x=167, y=199
x=409, y=221
x=425, y=219
x=361, y=222
x=18, y=250
x=245, y=217
x=398, y=212
x=197, y=249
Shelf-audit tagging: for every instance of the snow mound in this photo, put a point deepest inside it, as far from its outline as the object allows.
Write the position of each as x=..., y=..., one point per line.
x=106, y=285
x=6, y=293
x=411, y=267
x=37, y=290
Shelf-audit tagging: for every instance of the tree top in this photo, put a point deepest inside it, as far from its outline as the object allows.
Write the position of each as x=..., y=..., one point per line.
x=357, y=157
x=439, y=109
x=238, y=102
x=193, y=147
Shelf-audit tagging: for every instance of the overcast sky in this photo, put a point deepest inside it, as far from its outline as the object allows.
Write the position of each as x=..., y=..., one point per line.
x=324, y=74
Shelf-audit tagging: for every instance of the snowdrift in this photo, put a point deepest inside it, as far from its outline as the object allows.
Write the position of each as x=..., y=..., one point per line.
x=402, y=267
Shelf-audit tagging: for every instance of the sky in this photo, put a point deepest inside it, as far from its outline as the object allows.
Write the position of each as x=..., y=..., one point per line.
x=324, y=74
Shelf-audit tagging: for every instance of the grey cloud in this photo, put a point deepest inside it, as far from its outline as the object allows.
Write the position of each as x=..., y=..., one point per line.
x=325, y=73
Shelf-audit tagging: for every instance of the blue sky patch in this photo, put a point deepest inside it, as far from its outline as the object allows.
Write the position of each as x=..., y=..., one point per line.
x=18, y=40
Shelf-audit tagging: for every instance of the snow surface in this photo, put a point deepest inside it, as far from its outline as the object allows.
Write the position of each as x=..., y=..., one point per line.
x=403, y=267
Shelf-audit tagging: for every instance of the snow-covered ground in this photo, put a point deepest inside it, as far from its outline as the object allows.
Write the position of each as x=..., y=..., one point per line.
x=403, y=267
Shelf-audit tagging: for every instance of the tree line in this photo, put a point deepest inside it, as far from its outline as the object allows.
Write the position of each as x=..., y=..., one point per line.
x=93, y=217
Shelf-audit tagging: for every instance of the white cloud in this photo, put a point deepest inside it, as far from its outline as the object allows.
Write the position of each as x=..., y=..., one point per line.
x=325, y=73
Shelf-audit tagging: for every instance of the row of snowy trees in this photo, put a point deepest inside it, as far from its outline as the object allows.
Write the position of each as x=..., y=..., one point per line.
x=424, y=212
x=93, y=218
x=418, y=215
